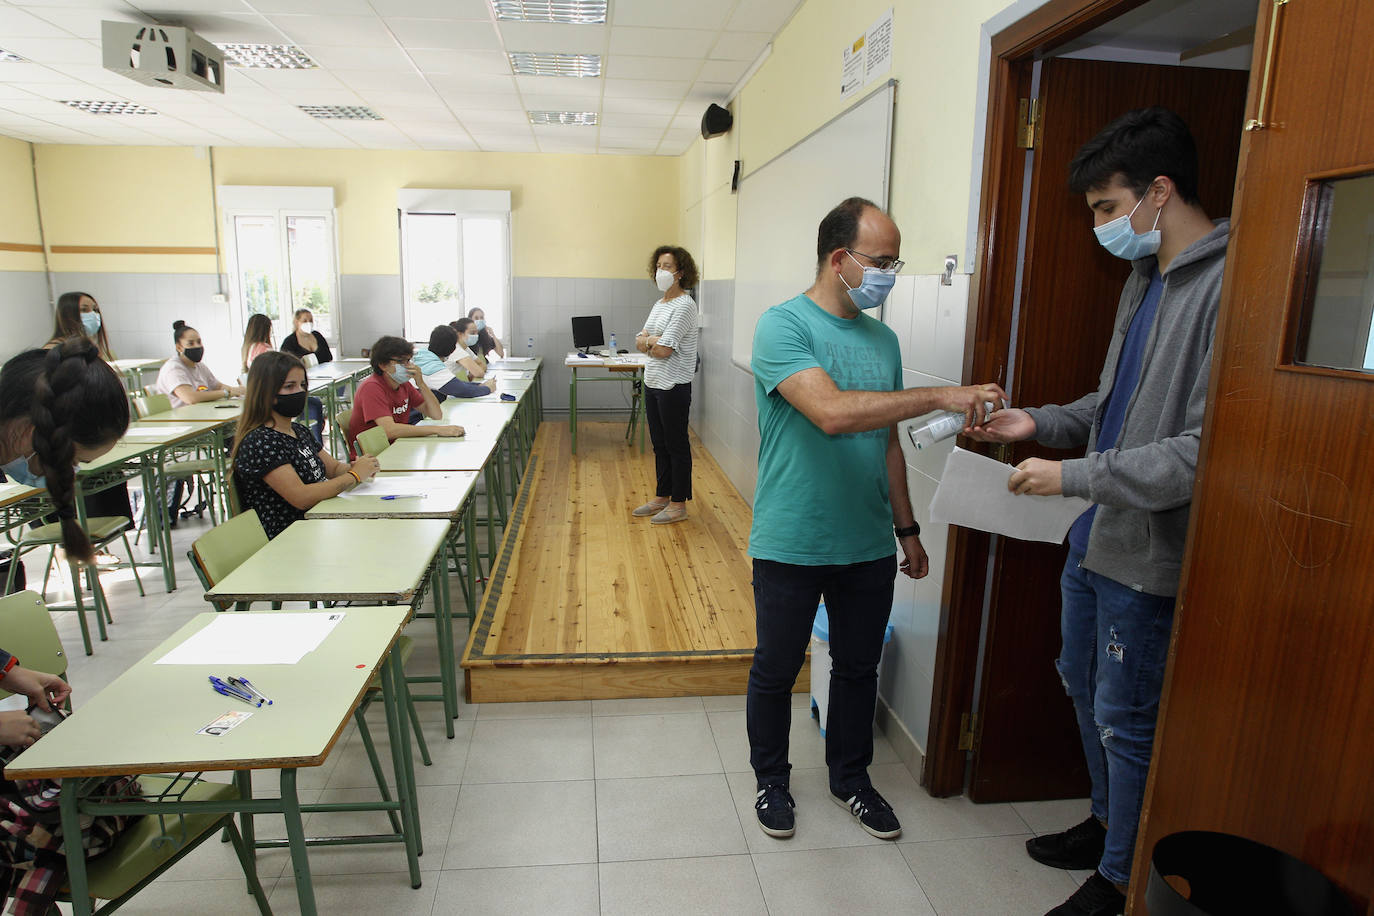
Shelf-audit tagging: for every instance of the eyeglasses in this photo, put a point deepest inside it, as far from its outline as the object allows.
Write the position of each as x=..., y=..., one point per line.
x=893, y=264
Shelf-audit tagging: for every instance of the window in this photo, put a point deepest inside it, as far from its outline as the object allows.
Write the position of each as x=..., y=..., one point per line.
x=455, y=256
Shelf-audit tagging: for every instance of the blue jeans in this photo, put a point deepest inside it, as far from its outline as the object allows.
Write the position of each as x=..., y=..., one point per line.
x=858, y=601
x=1116, y=641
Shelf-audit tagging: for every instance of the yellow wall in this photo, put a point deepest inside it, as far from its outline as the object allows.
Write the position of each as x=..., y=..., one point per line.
x=18, y=213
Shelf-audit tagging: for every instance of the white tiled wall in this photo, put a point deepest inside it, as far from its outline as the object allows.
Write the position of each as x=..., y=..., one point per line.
x=27, y=318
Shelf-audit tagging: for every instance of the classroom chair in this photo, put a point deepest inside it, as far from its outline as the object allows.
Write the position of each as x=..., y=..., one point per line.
x=152, y=844
x=186, y=464
x=373, y=441
x=341, y=421
x=102, y=530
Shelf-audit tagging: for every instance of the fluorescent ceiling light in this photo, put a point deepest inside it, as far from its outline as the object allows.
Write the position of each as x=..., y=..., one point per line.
x=267, y=57
x=551, y=10
x=341, y=112
x=580, y=118
x=116, y=108
x=9, y=57
x=554, y=63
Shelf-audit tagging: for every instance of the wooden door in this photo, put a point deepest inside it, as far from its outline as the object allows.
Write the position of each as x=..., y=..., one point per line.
x=1026, y=745
x=1267, y=725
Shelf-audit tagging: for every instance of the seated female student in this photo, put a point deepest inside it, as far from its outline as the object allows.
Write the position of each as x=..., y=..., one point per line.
x=486, y=340
x=304, y=342
x=78, y=315
x=257, y=340
x=394, y=389
x=443, y=340
x=464, y=361
x=186, y=380
x=279, y=468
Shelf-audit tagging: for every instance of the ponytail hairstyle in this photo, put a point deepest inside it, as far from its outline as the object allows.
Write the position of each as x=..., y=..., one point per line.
x=257, y=331
x=179, y=330
x=71, y=397
x=265, y=378
x=67, y=322
x=485, y=343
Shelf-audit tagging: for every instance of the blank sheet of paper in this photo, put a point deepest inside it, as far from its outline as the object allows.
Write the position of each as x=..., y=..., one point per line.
x=401, y=485
x=973, y=493
x=254, y=639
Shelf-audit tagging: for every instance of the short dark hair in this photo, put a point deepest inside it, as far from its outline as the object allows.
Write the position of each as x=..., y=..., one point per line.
x=461, y=325
x=1139, y=146
x=840, y=228
x=685, y=264
x=443, y=340
x=389, y=348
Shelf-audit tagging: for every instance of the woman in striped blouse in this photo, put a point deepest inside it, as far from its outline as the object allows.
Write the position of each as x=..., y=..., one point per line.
x=670, y=340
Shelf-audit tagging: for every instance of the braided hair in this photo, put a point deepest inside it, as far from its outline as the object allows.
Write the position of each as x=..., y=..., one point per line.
x=71, y=397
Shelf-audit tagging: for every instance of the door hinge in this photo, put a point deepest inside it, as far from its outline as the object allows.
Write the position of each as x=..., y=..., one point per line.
x=968, y=729
x=1028, y=123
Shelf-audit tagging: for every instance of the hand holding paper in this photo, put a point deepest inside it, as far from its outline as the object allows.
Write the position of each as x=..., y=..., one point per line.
x=973, y=493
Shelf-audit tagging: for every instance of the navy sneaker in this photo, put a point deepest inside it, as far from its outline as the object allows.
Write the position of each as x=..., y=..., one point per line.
x=773, y=805
x=1078, y=848
x=874, y=813
x=1097, y=897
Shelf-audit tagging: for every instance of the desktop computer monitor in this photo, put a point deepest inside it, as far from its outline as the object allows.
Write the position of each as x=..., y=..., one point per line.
x=587, y=332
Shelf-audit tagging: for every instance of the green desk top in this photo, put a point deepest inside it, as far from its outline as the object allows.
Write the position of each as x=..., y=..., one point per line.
x=146, y=721
x=515, y=361
x=435, y=454
x=222, y=411
x=128, y=365
x=124, y=451
x=442, y=496
x=480, y=418
x=325, y=373
x=338, y=559
x=143, y=432
x=11, y=493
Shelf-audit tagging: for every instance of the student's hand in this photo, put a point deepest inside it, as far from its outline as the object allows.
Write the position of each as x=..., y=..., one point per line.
x=490, y=383
x=972, y=401
x=18, y=729
x=234, y=391
x=1010, y=425
x=416, y=375
x=449, y=431
x=42, y=689
x=366, y=467
x=915, y=564
x=1038, y=477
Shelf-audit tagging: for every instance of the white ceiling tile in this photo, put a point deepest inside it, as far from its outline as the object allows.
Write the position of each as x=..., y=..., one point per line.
x=315, y=7
x=662, y=42
x=687, y=120
x=334, y=31
x=477, y=119
x=481, y=100
x=555, y=36
x=167, y=10
x=745, y=46
x=441, y=139
x=604, y=150
x=652, y=68
x=382, y=97
x=567, y=86
x=434, y=9
x=402, y=115
x=84, y=21
x=558, y=103
x=646, y=89
x=508, y=145
x=674, y=147
x=640, y=106
x=227, y=27
x=471, y=84
x=281, y=80
x=618, y=120
x=384, y=80
x=706, y=93
x=317, y=97
x=16, y=23
x=450, y=61
x=8, y=91
x=54, y=51
x=631, y=136
x=387, y=58
x=25, y=73
x=761, y=16
x=722, y=71
x=445, y=33
x=699, y=14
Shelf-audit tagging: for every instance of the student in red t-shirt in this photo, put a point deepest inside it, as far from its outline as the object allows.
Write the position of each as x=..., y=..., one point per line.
x=395, y=388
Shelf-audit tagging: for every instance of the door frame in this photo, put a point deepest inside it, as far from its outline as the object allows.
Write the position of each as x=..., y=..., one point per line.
x=992, y=288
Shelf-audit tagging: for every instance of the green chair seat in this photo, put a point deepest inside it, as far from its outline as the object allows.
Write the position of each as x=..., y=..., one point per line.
x=100, y=528
x=191, y=467
x=151, y=841
x=373, y=441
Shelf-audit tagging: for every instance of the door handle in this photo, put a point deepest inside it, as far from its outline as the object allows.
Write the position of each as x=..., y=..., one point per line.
x=1260, y=121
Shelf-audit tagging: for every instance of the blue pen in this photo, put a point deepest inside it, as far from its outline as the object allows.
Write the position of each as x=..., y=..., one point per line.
x=244, y=683
x=400, y=496
x=231, y=691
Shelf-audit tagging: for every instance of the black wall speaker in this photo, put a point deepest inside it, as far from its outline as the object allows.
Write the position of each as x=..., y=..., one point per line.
x=715, y=122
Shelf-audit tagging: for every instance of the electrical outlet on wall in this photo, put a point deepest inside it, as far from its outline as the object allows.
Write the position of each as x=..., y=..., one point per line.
x=219, y=298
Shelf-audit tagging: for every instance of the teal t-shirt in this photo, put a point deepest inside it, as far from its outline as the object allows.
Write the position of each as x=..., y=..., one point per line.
x=820, y=499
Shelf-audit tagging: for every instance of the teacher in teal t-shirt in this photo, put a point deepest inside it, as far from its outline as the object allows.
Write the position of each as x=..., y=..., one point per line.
x=832, y=478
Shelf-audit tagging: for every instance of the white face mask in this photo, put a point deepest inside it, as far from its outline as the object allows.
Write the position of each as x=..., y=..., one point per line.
x=308, y=327
x=663, y=279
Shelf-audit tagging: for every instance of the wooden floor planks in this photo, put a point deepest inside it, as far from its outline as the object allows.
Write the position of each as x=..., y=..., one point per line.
x=598, y=604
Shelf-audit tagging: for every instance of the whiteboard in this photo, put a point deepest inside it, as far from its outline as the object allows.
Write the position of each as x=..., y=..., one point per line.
x=782, y=203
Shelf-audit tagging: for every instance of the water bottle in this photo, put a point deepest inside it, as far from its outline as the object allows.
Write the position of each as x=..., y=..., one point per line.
x=612, y=343
x=529, y=347
x=940, y=427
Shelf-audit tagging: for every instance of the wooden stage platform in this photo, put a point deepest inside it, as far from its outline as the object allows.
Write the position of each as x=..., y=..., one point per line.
x=587, y=602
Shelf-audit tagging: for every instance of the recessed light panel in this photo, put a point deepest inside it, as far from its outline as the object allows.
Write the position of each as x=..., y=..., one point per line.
x=9, y=57
x=579, y=118
x=115, y=108
x=544, y=63
x=340, y=112
x=551, y=10
x=267, y=57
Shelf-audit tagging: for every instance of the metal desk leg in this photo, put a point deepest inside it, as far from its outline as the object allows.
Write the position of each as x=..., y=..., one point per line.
x=243, y=780
x=76, y=865
x=295, y=835
x=443, y=632
x=572, y=408
x=643, y=409
x=470, y=547
x=397, y=726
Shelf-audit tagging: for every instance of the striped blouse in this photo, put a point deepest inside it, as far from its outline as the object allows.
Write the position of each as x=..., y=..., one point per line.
x=675, y=323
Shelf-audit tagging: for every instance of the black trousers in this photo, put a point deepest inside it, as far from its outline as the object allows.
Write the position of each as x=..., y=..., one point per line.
x=668, y=412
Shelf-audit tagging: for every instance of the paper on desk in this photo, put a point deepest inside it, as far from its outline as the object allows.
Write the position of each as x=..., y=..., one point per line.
x=519, y=359
x=401, y=485
x=254, y=639
x=163, y=431
x=973, y=493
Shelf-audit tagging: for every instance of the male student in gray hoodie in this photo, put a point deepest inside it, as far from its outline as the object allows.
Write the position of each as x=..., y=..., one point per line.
x=1141, y=428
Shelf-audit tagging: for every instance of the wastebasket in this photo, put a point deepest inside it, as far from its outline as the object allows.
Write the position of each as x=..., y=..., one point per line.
x=1229, y=874
x=820, y=664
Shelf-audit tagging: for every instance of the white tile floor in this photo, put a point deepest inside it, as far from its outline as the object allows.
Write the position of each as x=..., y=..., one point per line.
x=614, y=806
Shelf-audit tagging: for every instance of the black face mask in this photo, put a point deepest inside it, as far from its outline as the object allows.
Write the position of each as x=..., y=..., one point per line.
x=290, y=405
x=194, y=354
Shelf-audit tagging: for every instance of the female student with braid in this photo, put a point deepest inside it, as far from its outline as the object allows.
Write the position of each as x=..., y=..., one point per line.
x=280, y=470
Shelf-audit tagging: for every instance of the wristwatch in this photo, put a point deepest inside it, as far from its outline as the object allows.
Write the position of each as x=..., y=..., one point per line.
x=8, y=665
x=907, y=532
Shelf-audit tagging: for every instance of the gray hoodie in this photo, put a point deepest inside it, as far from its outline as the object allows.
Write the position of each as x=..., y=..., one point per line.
x=1144, y=486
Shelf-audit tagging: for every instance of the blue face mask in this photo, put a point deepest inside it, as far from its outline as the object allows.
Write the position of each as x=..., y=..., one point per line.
x=873, y=290
x=91, y=322
x=481, y=324
x=18, y=471
x=400, y=373
x=472, y=340
x=1120, y=238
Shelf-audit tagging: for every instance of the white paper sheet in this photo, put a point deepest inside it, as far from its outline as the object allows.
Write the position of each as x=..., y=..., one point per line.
x=973, y=493
x=401, y=485
x=254, y=639
x=163, y=431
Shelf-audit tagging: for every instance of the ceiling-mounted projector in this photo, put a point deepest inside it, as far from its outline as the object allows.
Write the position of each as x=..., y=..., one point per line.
x=162, y=55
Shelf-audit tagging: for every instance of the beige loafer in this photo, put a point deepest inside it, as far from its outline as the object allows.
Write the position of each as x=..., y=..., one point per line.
x=649, y=509
x=668, y=516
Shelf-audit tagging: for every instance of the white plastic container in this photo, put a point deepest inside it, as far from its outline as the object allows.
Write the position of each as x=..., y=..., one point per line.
x=820, y=665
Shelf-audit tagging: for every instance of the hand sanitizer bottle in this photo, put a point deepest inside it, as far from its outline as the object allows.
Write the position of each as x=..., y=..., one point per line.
x=939, y=427
x=529, y=347
x=612, y=344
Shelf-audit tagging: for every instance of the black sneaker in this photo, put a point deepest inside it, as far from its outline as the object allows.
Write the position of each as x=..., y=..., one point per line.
x=1079, y=847
x=774, y=805
x=1097, y=897
x=874, y=813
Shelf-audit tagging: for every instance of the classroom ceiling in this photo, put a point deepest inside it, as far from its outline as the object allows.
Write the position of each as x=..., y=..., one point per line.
x=436, y=71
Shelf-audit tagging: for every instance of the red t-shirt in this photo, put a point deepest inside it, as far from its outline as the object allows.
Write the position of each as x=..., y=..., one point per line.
x=375, y=398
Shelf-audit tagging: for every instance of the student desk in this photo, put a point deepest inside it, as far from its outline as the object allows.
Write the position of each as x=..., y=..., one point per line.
x=621, y=368
x=133, y=369
x=371, y=560
x=531, y=367
x=20, y=505
x=327, y=379
x=147, y=722
x=224, y=413
x=491, y=418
